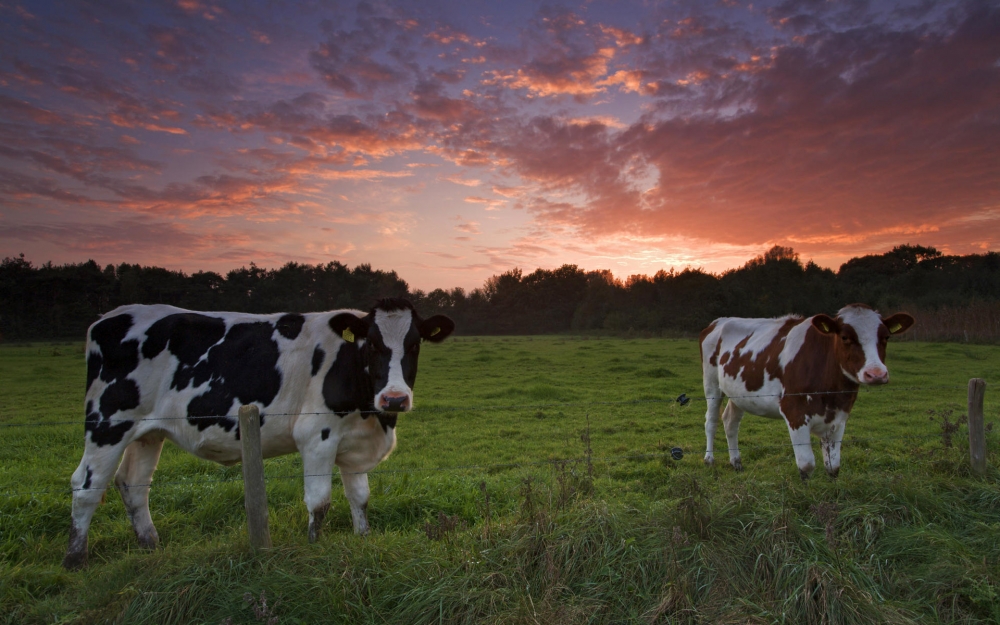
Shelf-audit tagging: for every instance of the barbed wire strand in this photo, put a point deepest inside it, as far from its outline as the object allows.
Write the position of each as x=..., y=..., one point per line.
x=459, y=468
x=502, y=407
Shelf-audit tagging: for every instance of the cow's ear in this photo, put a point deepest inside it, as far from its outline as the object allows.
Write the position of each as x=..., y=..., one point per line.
x=898, y=323
x=349, y=327
x=826, y=324
x=436, y=328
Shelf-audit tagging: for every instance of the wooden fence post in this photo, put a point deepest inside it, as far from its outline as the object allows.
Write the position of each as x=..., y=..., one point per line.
x=977, y=429
x=254, y=494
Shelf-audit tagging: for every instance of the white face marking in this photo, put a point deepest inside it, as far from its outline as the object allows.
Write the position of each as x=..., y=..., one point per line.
x=394, y=327
x=866, y=323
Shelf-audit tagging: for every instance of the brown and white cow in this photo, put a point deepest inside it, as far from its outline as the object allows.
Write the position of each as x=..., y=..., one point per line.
x=805, y=371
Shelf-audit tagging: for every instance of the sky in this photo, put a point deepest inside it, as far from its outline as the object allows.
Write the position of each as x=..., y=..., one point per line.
x=452, y=141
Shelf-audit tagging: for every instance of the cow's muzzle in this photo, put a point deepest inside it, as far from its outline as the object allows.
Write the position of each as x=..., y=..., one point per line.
x=875, y=376
x=394, y=402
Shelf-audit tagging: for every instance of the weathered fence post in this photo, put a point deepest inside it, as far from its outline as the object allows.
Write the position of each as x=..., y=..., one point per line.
x=977, y=429
x=254, y=494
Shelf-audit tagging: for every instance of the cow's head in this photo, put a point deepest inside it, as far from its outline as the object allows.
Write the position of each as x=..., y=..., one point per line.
x=389, y=340
x=861, y=335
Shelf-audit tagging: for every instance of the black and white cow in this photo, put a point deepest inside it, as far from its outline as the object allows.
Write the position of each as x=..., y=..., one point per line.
x=329, y=385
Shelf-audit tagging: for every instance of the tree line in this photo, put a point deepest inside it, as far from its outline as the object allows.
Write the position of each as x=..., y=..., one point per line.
x=61, y=301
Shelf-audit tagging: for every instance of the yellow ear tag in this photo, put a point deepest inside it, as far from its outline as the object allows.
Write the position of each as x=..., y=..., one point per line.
x=825, y=327
x=896, y=327
x=436, y=330
x=348, y=335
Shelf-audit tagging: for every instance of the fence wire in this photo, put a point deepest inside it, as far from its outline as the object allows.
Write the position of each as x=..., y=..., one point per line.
x=683, y=399
x=675, y=452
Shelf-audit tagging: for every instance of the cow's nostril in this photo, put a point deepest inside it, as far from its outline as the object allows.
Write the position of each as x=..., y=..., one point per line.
x=395, y=403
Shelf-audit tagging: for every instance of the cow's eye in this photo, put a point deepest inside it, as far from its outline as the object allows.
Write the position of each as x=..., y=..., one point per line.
x=846, y=339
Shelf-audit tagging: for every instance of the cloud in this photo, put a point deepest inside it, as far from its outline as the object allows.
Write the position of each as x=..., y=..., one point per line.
x=125, y=238
x=827, y=126
x=470, y=227
x=845, y=136
x=458, y=179
x=13, y=108
x=488, y=204
x=355, y=63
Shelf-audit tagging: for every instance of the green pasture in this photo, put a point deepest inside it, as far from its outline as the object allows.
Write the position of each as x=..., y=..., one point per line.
x=490, y=512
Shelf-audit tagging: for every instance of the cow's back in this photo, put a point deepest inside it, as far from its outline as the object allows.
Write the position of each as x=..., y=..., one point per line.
x=744, y=359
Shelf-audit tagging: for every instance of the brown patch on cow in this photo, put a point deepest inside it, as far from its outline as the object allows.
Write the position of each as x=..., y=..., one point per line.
x=714, y=360
x=752, y=368
x=725, y=358
x=814, y=384
x=701, y=340
x=850, y=353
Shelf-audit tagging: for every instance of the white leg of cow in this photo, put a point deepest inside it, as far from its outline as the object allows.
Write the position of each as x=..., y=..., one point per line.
x=731, y=418
x=713, y=397
x=831, y=447
x=356, y=489
x=318, y=468
x=134, y=475
x=89, y=482
x=802, y=445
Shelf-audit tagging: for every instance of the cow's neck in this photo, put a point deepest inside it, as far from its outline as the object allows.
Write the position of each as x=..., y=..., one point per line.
x=816, y=368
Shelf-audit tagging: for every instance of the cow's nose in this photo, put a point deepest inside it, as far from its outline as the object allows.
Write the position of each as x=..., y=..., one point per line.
x=394, y=403
x=876, y=376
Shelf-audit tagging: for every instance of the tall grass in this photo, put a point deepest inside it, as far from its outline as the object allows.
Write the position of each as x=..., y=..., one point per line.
x=978, y=322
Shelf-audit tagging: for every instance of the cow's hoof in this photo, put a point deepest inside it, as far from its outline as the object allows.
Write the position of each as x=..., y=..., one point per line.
x=148, y=541
x=737, y=464
x=804, y=474
x=834, y=472
x=75, y=561
x=709, y=461
x=316, y=522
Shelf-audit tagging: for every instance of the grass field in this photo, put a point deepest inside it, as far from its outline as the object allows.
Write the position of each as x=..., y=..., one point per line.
x=476, y=519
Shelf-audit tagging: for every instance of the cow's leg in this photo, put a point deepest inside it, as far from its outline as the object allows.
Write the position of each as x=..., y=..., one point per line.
x=802, y=445
x=356, y=489
x=713, y=397
x=318, y=468
x=831, y=447
x=134, y=475
x=89, y=482
x=731, y=418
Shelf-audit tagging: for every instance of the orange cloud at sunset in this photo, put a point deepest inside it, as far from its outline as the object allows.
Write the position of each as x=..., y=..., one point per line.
x=612, y=136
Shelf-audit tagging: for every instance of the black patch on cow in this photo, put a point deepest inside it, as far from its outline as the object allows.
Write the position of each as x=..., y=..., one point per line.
x=86, y=481
x=118, y=356
x=242, y=367
x=116, y=359
x=94, y=363
x=325, y=433
x=119, y=395
x=102, y=432
x=318, y=356
x=290, y=325
x=188, y=336
x=346, y=387
x=386, y=420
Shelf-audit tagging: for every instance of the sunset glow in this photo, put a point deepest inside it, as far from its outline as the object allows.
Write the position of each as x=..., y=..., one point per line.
x=451, y=141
